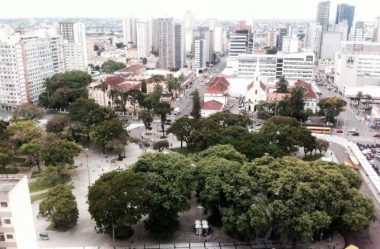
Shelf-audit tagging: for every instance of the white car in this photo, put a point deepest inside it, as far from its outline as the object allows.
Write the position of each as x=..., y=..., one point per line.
x=353, y=130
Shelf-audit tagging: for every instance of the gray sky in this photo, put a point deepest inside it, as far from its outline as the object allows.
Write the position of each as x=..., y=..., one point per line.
x=366, y=10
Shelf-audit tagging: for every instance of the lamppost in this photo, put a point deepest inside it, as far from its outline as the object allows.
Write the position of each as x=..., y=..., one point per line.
x=108, y=213
x=88, y=168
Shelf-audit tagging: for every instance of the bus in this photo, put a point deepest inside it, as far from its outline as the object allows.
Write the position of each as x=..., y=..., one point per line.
x=354, y=162
x=319, y=130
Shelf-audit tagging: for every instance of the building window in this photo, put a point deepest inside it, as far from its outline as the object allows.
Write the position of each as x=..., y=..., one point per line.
x=4, y=204
x=2, y=237
x=7, y=221
x=9, y=236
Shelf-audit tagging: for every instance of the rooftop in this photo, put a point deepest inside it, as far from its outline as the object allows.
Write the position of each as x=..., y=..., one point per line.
x=212, y=105
x=8, y=182
x=218, y=86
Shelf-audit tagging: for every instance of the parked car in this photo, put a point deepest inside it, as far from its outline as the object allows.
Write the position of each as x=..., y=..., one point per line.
x=339, y=131
x=355, y=134
x=377, y=135
x=353, y=130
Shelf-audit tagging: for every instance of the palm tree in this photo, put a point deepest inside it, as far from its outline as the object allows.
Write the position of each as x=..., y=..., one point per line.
x=113, y=94
x=359, y=97
x=104, y=88
x=177, y=86
x=124, y=97
x=170, y=84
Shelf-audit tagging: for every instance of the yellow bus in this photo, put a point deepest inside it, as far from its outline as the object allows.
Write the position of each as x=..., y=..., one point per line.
x=354, y=162
x=319, y=130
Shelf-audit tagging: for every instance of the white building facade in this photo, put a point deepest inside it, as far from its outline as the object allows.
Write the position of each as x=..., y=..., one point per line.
x=357, y=64
x=16, y=218
x=238, y=44
x=144, y=38
x=200, y=54
x=218, y=39
x=74, y=45
x=166, y=42
x=129, y=31
x=25, y=64
x=293, y=66
x=331, y=42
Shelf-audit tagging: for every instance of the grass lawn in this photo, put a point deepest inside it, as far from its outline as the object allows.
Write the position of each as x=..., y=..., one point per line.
x=38, y=197
x=38, y=186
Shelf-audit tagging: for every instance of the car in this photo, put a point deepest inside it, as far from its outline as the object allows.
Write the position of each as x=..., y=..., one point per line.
x=372, y=162
x=370, y=155
x=339, y=131
x=377, y=135
x=355, y=134
x=353, y=130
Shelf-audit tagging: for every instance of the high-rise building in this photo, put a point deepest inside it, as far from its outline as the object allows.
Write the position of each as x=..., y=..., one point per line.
x=189, y=31
x=166, y=42
x=376, y=30
x=16, y=221
x=330, y=44
x=345, y=12
x=238, y=43
x=314, y=38
x=358, y=32
x=208, y=35
x=282, y=32
x=200, y=53
x=74, y=45
x=26, y=63
x=179, y=45
x=271, y=40
x=144, y=40
x=129, y=31
x=218, y=39
x=342, y=27
x=323, y=14
x=290, y=44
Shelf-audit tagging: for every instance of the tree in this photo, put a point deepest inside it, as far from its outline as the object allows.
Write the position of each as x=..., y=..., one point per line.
x=6, y=156
x=58, y=174
x=359, y=97
x=27, y=112
x=162, y=109
x=271, y=50
x=111, y=66
x=322, y=145
x=116, y=202
x=144, y=61
x=182, y=129
x=147, y=118
x=156, y=95
x=56, y=124
x=60, y=207
x=109, y=132
x=147, y=101
x=161, y=145
x=282, y=85
x=34, y=149
x=170, y=184
x=196, y=111
x=104, y=88
x=3, y=128
x=61, y=151
x=223, y=151
x=368, y=99
x=331, y=107
x=297, y=103
x=134, y=96
x=143, y=86
x=224, y=120
x=22, y=132
x=64, y=88
x=206, y=133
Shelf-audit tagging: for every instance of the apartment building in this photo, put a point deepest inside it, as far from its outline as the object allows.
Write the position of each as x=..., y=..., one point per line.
x=293, y=66
x=74, y=45
x=25, y=62
x=16, y=217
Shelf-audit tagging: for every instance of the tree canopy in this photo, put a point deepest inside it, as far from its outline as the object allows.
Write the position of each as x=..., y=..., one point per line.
x=331, y=107
x=111, y=66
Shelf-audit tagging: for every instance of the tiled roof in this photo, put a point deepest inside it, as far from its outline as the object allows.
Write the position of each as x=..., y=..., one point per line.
x=263, y=86
x=218, y=86
x=212, y=105
x=276, y=96
x=114, y=80
x=131, y=69
x=249, y=87
x=309, y=93
x=128, y=86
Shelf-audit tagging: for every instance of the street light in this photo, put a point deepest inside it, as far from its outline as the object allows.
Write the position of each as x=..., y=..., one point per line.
x=88, y=168
x=108, y=213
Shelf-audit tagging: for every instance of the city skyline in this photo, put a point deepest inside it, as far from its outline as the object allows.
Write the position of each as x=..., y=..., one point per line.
x=169, y=8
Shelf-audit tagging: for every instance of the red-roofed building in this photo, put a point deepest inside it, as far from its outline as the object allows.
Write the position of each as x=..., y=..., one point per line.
x=211, y=107
x=136, y=69
x=311, y=98
x=217, y=90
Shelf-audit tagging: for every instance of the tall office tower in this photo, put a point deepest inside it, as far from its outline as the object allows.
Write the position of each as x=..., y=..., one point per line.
x=314, y=38
x=290, y=45
x=271, y=40
x=376, y=30
x=208, y=35
x=166, y=42
x=179, y=47
x=238, y=43
x=218, y=39
x=342, y=27
x=155, y=34
x=200, y=53
x=358, y=32
x=345, y=12
x=323, y=14
x=282, y=32
x=26, y=63
x=129, y=31
x=189, y=31
x=16, y=223
x=144, y=41
x=74, y=45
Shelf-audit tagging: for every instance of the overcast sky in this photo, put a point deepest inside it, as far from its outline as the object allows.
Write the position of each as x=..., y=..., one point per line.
x=366, y=10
